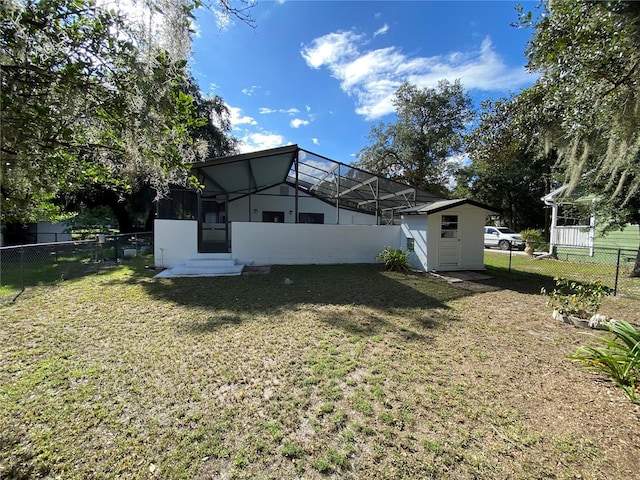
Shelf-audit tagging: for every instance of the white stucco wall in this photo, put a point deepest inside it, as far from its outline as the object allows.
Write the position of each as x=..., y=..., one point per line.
x=250, y=209
x=174, y=241
x=258, y=243
x=301, y=244
x=415, y=226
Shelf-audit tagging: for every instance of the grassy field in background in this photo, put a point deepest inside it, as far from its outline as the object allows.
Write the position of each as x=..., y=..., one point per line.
x=306, y=372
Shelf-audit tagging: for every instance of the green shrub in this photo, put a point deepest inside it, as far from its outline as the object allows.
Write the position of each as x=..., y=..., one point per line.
x=531, y=235
x=578, y=299
x=394, y=259
x=619, y=357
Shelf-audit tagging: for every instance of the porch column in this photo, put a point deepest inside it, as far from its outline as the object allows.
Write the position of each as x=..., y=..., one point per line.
x=554, y=228
x=592, y=228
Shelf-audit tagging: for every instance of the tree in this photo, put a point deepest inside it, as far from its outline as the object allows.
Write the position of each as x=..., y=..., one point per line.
x=509, y=168
x=90, y=99
x=588, y=54
x=417, y=149
x=133, y=206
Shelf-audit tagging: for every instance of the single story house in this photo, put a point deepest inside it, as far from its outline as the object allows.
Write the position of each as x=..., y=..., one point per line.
x=291, y=206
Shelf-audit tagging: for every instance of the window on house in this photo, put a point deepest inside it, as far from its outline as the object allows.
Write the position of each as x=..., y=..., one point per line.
x=311, y=218
x=410, y=245
x=273, y=217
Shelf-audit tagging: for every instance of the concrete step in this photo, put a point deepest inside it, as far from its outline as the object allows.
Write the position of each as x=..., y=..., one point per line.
x=204, y=267
x=214, y=261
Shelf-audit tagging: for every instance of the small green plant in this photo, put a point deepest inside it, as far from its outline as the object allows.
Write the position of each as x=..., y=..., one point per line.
x=531, y=235
x=578, y=299
x=533, y=238
x=394, y=259
x=619, y=357
x=292, y=450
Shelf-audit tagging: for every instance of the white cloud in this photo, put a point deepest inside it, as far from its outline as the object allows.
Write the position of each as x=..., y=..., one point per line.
x=382, y=30
x=288, y=111
x=252, y=137
x=237, y=117
x=315, y=141
x=373, y=76
x=298, y=122
x=253, y=142
x=250, y=91
x=223, y=19
x=332, y=49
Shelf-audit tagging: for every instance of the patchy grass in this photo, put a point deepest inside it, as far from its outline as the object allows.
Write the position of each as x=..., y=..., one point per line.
x=348, y=372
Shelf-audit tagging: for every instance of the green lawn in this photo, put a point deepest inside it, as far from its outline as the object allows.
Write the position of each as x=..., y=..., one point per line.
x=540, y=272
x=338, y=372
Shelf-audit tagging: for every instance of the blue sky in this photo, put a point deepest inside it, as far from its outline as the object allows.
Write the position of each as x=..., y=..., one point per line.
x=320, y=73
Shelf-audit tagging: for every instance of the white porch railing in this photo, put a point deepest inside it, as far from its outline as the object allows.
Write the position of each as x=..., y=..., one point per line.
x=576, y=236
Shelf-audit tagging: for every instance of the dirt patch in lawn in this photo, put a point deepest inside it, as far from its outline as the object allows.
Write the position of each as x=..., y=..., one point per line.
x=335, y=373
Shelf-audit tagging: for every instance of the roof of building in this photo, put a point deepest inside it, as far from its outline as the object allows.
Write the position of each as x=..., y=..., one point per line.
x=247, y=173
x=441, y=205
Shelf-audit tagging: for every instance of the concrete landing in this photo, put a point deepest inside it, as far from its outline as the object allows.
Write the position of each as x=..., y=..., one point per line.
x=204, y=267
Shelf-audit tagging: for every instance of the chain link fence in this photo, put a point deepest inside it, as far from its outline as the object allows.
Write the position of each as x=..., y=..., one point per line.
x=612, y=266
x=25, y=266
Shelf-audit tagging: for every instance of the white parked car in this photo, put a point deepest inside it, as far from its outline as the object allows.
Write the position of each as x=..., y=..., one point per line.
x=502, y=237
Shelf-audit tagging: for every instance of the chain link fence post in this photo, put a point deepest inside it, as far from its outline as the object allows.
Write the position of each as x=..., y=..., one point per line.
x=510, y=255
x=21, y=269
x=615, y=285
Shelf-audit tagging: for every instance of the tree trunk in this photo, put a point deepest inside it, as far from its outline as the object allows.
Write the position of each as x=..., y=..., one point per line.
x=125, y=224
x=148, y=225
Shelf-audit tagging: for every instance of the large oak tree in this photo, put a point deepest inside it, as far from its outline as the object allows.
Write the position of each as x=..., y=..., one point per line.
x=92, y=100
x=417, y=149
x=588, y=55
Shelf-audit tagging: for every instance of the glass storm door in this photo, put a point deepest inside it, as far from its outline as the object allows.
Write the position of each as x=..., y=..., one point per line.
x=213, y=232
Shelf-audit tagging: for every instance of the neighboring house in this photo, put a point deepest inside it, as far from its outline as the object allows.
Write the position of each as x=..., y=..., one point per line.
x=574, y=225
x=40, y=232
x=290, y=206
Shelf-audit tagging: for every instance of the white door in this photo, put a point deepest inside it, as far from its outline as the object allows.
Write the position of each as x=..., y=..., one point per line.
x=449, y=242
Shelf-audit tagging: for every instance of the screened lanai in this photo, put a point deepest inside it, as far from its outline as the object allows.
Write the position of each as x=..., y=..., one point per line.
x=335, y=182
x=240, y=188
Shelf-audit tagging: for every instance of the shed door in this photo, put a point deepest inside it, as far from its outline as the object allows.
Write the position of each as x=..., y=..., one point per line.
x=449, y=242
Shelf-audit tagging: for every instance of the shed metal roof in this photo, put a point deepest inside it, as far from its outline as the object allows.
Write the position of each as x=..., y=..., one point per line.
x=441, y=205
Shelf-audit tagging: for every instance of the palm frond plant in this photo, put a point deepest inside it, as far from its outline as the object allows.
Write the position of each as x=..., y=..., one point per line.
x=533, y=239
x=619, y=357
x=395, y=259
